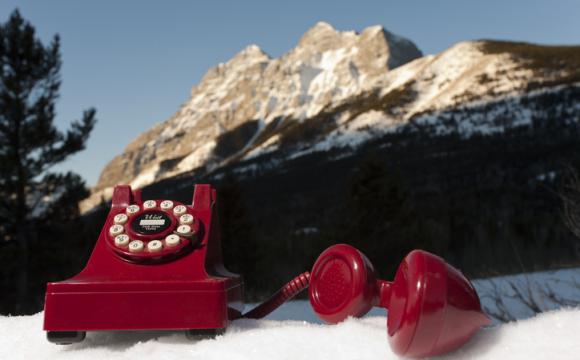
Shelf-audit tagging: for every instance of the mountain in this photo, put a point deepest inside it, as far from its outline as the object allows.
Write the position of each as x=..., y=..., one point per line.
x=338, y=90
x=254, y=93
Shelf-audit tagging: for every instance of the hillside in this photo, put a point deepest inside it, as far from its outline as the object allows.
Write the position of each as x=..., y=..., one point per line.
x=339, y=90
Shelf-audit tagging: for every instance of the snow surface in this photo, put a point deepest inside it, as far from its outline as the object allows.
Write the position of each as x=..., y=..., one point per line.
x=292, y=333
x=548, y=290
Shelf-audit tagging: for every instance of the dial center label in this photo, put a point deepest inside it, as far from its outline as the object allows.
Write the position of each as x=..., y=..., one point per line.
x=151, y=222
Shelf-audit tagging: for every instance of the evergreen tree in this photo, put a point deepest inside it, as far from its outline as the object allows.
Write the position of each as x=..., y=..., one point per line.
x=379, y=218
x=240, y=250
x=30, y=145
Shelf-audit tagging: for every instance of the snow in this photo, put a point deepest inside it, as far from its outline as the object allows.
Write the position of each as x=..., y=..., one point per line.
x=488, y=115
x=551, y=175
x=145, y=177
x=266, y=147
x=551, y=335
x=355, y=132
x=307, y=74
x=292, y=333
x=405, y=73
x=197, y=157
x=540, y=288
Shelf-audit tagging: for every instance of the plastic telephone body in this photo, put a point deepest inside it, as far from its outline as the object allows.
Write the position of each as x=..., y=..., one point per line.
x=157, y=275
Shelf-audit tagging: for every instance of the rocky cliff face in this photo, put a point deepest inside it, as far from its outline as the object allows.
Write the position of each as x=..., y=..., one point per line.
x=339, y=90
x=326, y=67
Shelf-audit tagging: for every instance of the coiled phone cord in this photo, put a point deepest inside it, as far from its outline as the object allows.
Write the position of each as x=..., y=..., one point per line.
x=287, y=292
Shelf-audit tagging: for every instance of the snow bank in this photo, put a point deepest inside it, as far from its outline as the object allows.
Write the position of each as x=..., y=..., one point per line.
x=548, y=290
x=293, y=333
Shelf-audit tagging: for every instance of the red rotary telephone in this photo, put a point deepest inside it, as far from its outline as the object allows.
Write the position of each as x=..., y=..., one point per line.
x=157, y=265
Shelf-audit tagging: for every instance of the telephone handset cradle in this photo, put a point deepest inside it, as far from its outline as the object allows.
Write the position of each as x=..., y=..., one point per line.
x=156, y=265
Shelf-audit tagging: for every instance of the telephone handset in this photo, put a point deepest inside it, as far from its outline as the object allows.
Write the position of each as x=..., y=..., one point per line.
x=157, y=265
x=432, y=307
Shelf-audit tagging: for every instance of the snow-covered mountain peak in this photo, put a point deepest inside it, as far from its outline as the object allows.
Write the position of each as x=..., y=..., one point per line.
x=326, y=67
x=321, y=36
x=374, y=46
x=249, y=55
x=334, y=89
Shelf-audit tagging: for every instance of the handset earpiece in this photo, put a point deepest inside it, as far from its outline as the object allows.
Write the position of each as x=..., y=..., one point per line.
x=342, y=284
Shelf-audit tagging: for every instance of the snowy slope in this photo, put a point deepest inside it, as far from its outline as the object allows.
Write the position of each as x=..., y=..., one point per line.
x=551, y=335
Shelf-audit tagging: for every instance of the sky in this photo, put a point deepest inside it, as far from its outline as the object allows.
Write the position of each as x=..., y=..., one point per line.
x=136, y=61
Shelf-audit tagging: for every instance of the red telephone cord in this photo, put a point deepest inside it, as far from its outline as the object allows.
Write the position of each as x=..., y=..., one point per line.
x=287, y=292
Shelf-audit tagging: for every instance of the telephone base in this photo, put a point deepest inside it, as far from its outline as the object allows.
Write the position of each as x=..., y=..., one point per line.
x=157, y=265
x=187, y=305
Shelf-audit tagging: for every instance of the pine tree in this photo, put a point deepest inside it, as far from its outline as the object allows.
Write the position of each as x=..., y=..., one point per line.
x=240, y=250
x=30, y=145
x=379, y=218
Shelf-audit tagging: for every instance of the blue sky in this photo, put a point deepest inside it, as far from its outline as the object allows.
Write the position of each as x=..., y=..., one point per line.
x=136, y=61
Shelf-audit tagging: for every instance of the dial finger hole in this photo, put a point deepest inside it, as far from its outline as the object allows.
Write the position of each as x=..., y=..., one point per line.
x=149, y=204
x=172, y=240
x=186, y=219
x=179, y=210
x=132, y=209
x=166, y=204
x=122, y=240
x=184, y=230
x=136, y=246
x=154, y=246
x=120, y=218
x=116, y=230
